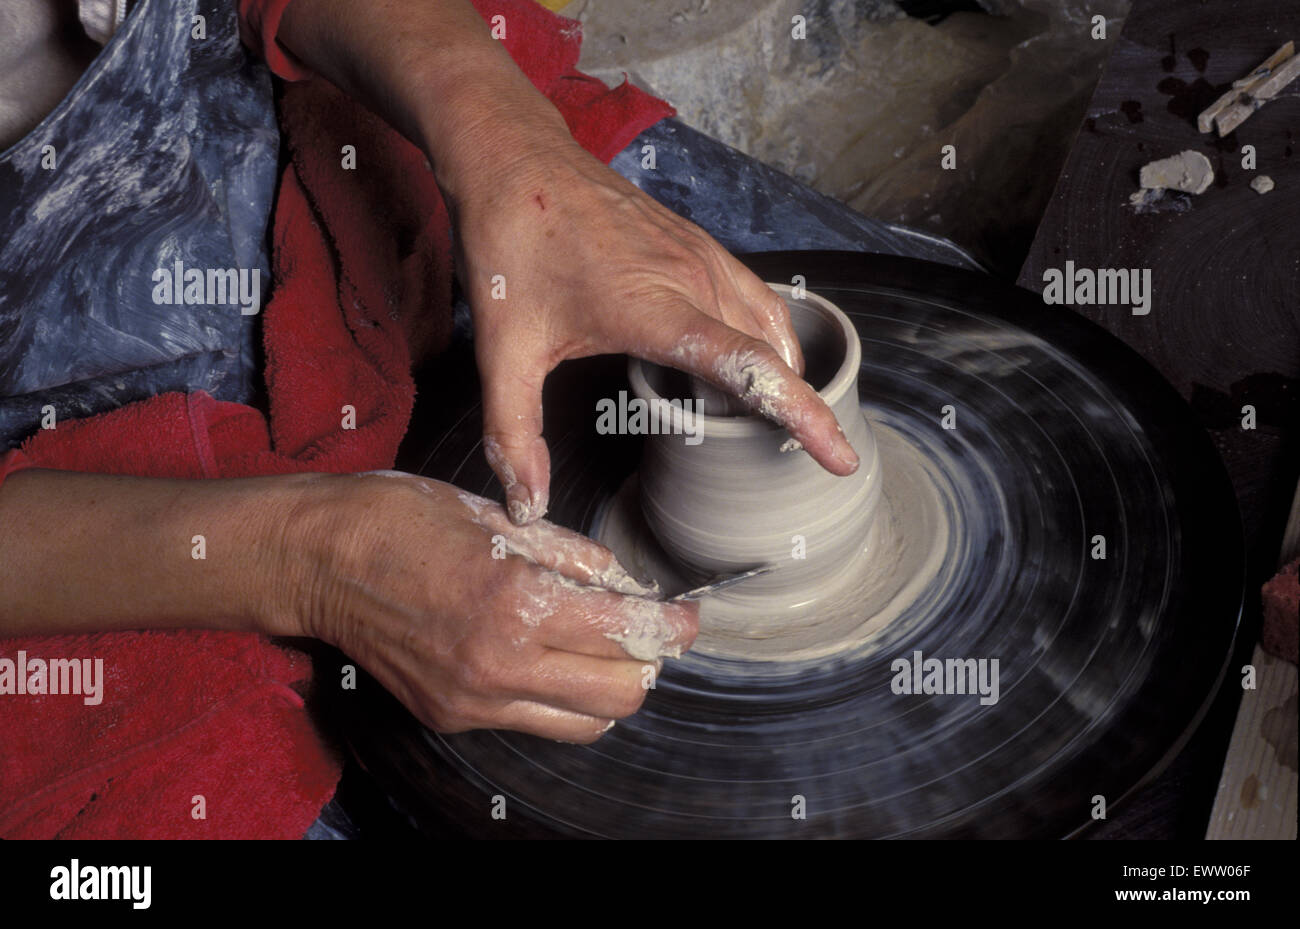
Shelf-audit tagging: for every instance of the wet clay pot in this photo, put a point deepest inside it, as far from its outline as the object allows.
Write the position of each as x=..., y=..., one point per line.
x=735, y=500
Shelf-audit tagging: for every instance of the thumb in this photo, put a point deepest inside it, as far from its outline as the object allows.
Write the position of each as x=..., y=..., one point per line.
x=513, y=443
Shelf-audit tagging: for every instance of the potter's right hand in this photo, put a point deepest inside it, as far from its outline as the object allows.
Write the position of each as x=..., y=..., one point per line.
x=593, y=266
x=401, y=576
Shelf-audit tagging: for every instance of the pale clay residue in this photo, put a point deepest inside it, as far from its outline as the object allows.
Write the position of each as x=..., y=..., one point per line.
x=1188, y=171
x=642, y=631
x=754, y=381
x=747, y=375
x=791, y=445
x=521, y=510
x=744, y=372
x=616, y=578
x=645, y=632
x=686, y=353
x=640, y=627
x=535, y=609
x=532, y=540
x=498, y=462
x=1261, y=184
x=518, y=511
x=415, y=479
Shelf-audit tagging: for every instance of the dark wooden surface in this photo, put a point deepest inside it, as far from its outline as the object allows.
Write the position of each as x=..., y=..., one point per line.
x=1224, y=325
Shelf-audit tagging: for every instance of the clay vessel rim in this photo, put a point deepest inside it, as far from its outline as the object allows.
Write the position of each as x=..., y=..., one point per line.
x=844, y=379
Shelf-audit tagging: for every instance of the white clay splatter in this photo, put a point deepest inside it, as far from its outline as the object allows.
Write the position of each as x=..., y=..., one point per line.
x=565, y=547
x=686, y=353
x=645, y=632
x=386, y=473
x=790, y=445
x=1188, y=171
x=521, y=511
x=535, y=609
x=758, y=384
x=498, y=462
x=640, y=626
x=1261, y=184
x=616, y=578
x=538, y=506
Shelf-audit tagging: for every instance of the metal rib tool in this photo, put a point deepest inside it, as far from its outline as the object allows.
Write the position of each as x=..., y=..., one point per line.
x=722, y=582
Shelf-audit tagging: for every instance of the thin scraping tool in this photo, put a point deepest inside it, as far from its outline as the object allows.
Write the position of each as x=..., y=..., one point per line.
x=723, y=581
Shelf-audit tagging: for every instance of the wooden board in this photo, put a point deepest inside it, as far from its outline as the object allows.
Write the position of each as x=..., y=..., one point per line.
x=1257, y=792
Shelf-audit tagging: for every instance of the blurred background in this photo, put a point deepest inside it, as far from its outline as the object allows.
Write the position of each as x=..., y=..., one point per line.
x=861, y=109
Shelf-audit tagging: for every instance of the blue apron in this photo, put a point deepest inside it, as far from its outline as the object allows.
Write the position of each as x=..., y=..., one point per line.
x=165, y=151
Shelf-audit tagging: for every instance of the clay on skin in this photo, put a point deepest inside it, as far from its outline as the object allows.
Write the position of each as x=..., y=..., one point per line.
x=873, y=542
x=562, y=545
x=639, y=626
x=520, y=511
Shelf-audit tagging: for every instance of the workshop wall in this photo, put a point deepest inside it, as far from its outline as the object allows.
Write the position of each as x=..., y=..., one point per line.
x=862, y=108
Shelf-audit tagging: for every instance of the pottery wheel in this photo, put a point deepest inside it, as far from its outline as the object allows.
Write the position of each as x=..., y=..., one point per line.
x=1062, y=434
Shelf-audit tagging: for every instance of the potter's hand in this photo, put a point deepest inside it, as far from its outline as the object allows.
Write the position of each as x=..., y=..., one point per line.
x=405, y=581
x=582, y=261
x=563, y=258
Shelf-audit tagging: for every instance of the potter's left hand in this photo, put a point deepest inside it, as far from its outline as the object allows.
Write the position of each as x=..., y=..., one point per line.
x=563, y=258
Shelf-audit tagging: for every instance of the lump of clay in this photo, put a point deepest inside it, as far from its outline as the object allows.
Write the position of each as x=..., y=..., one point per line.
x=1188, y=171
x=1262, y=184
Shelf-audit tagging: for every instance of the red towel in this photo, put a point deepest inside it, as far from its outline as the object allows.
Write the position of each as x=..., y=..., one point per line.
x=358, y=255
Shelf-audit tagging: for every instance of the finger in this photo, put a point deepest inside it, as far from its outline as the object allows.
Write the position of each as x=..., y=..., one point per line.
x=706, y=275
x=752, y=371
x=602, y=624
x=547, y=721
x=773, y=315
x=512, y=439
x=750, y=305
x=558, y=549
x=606, y=688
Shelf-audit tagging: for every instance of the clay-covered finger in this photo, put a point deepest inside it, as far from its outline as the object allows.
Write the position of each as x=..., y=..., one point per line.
x=731, y=304
x=755, y=309
x=773, y=315
x=611, y=688
x=557, y=549
x=751, y=370
x=512, y=437
x=603, y=624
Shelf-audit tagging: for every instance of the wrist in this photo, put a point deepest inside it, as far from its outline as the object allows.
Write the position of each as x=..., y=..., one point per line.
x=306, y=530
x=491, y=134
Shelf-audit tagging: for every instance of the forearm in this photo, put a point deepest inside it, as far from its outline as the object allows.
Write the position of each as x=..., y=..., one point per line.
x=433, y=71
x=88, y=552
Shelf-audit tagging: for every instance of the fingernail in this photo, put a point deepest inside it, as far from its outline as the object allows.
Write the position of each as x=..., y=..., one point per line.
x=519, y=503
